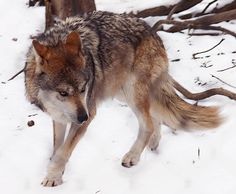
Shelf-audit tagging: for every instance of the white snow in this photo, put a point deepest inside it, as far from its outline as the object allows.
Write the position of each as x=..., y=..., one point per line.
x=199, y=162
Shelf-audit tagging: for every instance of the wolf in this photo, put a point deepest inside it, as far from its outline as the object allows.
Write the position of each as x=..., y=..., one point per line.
x=82, y=61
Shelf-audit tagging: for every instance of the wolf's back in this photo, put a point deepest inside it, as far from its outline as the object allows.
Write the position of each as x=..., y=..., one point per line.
x=106, y=26
x=179, y=114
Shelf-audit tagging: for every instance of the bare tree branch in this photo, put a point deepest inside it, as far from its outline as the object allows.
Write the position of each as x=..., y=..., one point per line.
x=209, y=4
x=194, y=54
x=218, y=28
x=226, y=7
x=200, y=23
x=205, y=94
x=223, y=81
x=165, y=10
x=208, y=20
x=205, y=34
x=227, y=68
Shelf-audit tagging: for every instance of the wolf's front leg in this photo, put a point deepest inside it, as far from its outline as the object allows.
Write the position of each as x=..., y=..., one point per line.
x=59, y=130
x=58, y=161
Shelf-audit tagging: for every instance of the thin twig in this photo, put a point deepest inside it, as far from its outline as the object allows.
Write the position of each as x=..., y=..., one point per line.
x=227, y=68
x=18, y=73
x=222, y=81
x=172, y=12
x=205, y=34
x=218, y=28
x=209, y=4
x=194, y=55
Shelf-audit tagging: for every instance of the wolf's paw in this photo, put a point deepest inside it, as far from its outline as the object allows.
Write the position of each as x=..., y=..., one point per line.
x=52, y=181
x=154, y=142
x=130, y=159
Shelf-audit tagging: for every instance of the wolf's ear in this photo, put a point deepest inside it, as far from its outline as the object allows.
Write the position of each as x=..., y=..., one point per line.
x=40, y=49
x=73, y=44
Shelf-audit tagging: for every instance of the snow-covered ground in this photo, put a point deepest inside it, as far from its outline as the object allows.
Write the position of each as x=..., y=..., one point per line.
x=185, y=163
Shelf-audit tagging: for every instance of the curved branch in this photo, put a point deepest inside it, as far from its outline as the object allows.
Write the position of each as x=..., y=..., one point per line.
x=205, y=94
x=194, y=54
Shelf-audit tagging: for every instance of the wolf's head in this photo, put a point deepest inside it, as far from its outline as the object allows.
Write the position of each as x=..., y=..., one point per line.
x=63, y=79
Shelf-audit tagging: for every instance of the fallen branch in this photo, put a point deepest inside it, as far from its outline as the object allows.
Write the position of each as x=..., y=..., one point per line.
x=217, y=28
x=165, y=10
x=200, y=23
x=205, y=34
x=196, y=13
x=205, y=94
x=227, y=68
x=194, y=55
x=208, y=20
x=187, y=25
x=226, y=7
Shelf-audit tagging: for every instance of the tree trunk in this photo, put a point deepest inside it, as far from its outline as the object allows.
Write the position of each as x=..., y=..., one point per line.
x=65, y=8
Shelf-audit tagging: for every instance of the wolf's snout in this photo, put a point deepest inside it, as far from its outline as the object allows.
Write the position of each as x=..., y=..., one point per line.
x=82, y=117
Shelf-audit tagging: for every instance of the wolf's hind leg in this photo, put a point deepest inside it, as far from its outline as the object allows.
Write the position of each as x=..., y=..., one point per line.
x=139, y=103
x=59, y=130
x=155, y=137
x=156, y=119
x=145, y=131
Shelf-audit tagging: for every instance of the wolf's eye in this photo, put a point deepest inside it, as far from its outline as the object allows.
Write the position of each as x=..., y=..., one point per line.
x=63, y=93
x=42, y=74
x=82, y=90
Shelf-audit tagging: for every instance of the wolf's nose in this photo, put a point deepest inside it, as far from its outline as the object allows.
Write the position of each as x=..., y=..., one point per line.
x=82, y=118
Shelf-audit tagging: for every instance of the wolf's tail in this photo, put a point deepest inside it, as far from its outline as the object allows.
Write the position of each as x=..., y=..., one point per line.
x=179, y=114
